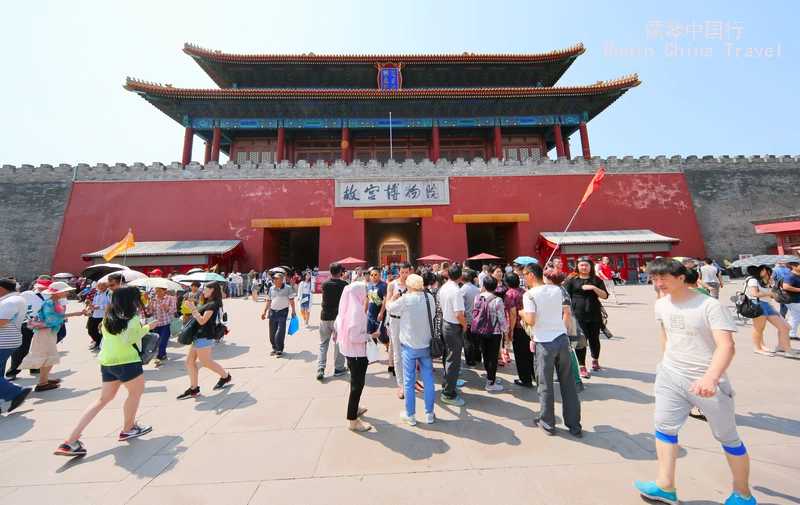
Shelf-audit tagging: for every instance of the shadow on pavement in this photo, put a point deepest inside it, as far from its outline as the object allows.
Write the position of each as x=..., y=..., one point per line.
x=775, y=494
x=122, y=457
x=769, y=422
x=615, y=373
x=409, y=443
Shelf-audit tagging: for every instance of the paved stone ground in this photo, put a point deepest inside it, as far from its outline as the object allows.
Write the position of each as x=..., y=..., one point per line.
x=278, y=436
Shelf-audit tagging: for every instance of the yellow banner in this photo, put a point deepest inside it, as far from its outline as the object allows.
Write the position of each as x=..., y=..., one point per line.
x=121, y=247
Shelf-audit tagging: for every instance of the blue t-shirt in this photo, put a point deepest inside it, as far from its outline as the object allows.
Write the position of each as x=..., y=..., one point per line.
x=780, y=272
x=793, y=280
x=376, y=293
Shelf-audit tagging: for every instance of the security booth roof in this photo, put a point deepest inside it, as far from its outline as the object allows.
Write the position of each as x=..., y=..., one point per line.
x=223, y=248
x=613, y=241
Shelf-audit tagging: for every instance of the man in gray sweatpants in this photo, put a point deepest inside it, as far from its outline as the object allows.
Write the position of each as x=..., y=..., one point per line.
x=331, y=295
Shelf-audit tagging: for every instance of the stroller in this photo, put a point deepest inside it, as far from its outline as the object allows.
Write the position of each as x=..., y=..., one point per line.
x=617, y=278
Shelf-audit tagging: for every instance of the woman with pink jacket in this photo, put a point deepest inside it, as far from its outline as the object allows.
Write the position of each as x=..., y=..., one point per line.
x=351, y=337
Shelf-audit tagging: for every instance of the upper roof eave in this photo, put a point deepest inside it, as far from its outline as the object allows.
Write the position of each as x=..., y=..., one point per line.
x=157, y=89
x=309, y=58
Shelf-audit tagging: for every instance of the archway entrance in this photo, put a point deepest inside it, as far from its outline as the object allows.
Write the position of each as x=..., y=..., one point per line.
x=390, y=239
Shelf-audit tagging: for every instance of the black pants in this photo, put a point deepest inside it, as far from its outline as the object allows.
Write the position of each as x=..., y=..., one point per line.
x=21, y=352
x=358, y=374
x=92, y=325
x=523, y=355
x=472, y=348
x=592, y=331
x=491, y=346
x=277, y=328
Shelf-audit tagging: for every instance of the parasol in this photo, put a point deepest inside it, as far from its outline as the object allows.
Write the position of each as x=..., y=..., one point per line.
x=525, y=260
x=157, y=282
x=765, y=259
x=95, y=272
x=202, y=277
x=350, y=261
x=63, y=275
x=128, y=275
x=434, y=258
x=484, y=256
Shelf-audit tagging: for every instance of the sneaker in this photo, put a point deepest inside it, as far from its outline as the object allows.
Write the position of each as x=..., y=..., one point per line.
x=391, y=371
x=136, y=431
x=577, y=434
x=189, y=393
x=320, y=373
x=456, y=402
x=458, y=391
x=460, y=383
x=408, y=419
x=273, y=352
x=584, y=373
x=737, y=499
x=528, y=385
x=74, y=449
x=493, y=387
x=580, y=387
x=466, y=365
x=653, y=492
x=278, y=354
x=547, y=431
x=595, y=366
x=17, y=400
x=430, y=417
x=342, y=371
x=223, y=381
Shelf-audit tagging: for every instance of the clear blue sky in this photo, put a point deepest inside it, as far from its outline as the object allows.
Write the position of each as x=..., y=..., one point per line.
x=65, y=64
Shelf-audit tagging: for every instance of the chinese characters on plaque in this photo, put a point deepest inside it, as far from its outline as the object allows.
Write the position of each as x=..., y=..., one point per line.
x=391, y=192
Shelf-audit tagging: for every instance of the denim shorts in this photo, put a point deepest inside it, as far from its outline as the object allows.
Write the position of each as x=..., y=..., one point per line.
x=202, y=343
x=768, y=310
x=122, y=373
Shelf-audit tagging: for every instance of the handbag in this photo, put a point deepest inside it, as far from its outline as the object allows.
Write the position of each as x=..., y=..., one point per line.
x=149, y=347
x=437, y=344
x=373, y=354
x=294, y=326
x=188, y=332
x=175, y=326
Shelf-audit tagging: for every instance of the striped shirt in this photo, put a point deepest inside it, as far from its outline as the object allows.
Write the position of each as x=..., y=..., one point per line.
x=12, y=307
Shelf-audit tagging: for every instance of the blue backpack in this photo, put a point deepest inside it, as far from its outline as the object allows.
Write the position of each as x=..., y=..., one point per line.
x=481, y=316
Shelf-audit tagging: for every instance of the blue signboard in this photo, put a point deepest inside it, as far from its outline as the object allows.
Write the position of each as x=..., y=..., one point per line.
x=390, y=78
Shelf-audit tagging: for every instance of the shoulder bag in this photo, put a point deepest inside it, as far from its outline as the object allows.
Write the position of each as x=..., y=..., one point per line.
x=437, y=344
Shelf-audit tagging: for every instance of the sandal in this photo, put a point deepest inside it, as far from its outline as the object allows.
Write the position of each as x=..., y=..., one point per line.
x=506, y=357
x=360, y=427
x=418, y=387
x=699, y=415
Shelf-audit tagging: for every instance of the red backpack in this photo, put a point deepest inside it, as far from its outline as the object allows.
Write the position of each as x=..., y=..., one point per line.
x=481, y=316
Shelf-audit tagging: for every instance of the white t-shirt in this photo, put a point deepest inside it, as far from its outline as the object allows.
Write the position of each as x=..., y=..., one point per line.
x=689, y=326
x=451, y=301
x=547, y=307
x=753, y=282
x=34, y=302
x=708, y=273
x=12, y=307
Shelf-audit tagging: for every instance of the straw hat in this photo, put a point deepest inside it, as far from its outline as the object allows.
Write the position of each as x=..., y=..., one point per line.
x=58, y=287
x=414, y=282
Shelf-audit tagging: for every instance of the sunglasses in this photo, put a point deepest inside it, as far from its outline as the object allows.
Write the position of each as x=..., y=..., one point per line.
x=585, y=258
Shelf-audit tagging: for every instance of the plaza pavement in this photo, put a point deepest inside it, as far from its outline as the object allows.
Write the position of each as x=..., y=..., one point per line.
x=277, y=435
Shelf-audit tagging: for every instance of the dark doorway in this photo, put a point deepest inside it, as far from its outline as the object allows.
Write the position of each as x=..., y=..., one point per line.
x=392, y=237
x=299, y=247
x=487, y=238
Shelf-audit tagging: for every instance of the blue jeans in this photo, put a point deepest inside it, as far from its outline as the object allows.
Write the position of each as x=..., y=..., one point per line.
x=8, y=390
x=277, y=328
x=410, y=359
x=163, y=332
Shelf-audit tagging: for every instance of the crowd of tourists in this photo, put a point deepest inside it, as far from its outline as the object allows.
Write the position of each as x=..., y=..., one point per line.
x=441, y=314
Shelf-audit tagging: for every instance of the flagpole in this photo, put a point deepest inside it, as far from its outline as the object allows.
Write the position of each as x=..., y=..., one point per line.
x=562, y=235
x=125, y=258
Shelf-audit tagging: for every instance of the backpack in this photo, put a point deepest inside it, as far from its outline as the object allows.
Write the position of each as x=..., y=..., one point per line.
x=746, y=308
x=783, y=297
x=481, y=316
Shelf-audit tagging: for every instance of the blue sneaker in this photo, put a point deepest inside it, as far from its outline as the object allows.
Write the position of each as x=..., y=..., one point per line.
x=652, y=491
x=737, y=499
x=460, y=383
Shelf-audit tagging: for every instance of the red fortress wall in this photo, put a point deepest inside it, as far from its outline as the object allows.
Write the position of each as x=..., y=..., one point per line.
x=100, y=213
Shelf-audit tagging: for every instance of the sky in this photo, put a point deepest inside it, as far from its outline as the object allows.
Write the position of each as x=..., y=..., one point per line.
x=65, y=64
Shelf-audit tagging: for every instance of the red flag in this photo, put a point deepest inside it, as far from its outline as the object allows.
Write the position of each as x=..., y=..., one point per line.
x=594, y=184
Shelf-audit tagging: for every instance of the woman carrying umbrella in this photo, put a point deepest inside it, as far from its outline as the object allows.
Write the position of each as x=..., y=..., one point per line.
x=44, y=353
x=206, y=317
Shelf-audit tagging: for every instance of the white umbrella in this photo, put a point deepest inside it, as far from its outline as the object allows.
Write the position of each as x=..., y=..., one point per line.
x=63, y=275
x=157, y=282
x=194, y=271
x=765, y=259
x=203, y=277
x=127, y=275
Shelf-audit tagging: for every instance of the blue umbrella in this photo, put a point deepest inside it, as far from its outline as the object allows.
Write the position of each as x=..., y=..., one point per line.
x=525, y=260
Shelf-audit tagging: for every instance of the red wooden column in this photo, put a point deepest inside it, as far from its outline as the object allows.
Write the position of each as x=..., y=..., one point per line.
x=345, y=145
x=281, y=142
x=587, y=153
x=559, y=140
x=207, y=155
x=188, y=137
x=566, y=148
x=498, y=143
x=435, y=143
x=215, y=145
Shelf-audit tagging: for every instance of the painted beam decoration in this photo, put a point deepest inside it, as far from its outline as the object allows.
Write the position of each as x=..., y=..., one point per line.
x=392, y=192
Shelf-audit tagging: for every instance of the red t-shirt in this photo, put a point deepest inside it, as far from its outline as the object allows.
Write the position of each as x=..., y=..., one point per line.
x=605, y=270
